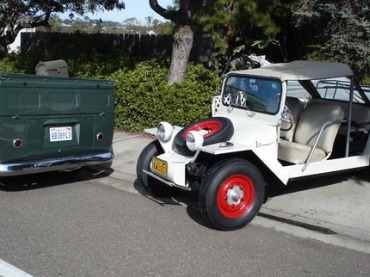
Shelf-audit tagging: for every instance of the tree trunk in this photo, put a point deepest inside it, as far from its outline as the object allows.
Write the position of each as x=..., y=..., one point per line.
x=182, y=45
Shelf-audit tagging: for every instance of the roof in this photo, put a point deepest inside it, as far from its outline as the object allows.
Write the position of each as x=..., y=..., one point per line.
x=301, y=70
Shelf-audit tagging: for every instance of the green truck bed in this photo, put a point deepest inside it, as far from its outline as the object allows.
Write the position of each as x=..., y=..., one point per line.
x=53, y=123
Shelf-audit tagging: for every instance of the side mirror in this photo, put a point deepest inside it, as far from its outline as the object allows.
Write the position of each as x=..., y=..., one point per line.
x=286, y=119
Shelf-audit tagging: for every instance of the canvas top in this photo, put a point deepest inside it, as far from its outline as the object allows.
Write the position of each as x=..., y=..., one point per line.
x=301, y=70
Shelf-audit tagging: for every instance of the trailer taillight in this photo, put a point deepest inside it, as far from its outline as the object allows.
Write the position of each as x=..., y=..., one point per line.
x=17, y=143
x=100, y=137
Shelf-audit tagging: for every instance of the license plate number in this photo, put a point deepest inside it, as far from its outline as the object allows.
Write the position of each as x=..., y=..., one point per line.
x=160, y=166
x=60, y=134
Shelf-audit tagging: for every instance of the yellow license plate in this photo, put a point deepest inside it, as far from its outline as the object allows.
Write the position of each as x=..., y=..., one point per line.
x=160, y=166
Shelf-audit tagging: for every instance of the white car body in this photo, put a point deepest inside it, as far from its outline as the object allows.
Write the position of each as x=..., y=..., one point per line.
x=255, y=102
x=259, y=133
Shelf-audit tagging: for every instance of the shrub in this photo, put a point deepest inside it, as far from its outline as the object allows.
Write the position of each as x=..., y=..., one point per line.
x=143, y=97
x=8, y=64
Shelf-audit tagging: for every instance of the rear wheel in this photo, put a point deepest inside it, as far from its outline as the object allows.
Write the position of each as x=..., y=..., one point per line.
x=232, y=195
x=151, y=184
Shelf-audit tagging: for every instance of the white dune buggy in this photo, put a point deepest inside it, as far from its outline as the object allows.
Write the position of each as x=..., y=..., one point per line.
x=270, y=124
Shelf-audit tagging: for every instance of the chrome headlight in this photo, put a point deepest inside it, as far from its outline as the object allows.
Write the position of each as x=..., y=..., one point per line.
x=164, y=131
x=194, y=140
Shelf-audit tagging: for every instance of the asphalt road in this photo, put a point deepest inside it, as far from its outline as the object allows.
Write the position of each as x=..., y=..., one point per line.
x=83, y=225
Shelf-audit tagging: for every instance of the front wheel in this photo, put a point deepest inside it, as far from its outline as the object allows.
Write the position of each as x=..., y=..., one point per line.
x=232, y=195
x=151, y=184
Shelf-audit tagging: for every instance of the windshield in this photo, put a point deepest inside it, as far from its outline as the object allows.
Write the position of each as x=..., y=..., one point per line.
x=254, y=94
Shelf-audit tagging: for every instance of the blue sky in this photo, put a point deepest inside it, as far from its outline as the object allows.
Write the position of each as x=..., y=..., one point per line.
x=134, y=8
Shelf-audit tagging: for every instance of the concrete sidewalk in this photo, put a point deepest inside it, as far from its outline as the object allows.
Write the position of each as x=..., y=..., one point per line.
x=336, y=204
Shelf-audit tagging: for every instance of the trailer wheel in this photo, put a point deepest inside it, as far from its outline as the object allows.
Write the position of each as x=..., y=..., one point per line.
x=232, y=195
x=216, y=129
x=151, y=184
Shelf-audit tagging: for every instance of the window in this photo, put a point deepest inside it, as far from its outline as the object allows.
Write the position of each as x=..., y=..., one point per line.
x=338, y=89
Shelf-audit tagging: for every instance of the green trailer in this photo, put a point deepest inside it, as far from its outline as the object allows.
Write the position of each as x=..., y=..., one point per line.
x=53, y=123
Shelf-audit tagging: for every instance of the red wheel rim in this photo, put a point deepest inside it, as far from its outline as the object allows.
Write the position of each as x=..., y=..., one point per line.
x=211, y=126
x=235, y=196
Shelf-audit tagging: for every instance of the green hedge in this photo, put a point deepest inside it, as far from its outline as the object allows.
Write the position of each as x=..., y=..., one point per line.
x=143, y=97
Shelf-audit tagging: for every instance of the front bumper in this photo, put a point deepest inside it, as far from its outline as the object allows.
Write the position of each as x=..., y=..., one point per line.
x=168, y=183
x=57, y=164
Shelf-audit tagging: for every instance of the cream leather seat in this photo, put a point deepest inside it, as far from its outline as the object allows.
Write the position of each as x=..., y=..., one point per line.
x=312, y=119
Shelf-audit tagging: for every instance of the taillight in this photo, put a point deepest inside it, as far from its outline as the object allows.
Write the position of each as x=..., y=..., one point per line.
x=100, y=137
x=17, y=143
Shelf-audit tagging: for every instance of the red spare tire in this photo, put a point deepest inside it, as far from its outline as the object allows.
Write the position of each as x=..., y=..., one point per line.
x=218, y=129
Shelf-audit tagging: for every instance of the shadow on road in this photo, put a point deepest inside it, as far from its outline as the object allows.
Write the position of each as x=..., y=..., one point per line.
x=189, y=199
x=49, y=179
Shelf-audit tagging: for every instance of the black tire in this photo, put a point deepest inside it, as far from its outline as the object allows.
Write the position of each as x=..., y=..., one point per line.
x=150, y=184
x=219, y=129
x=232, y=194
